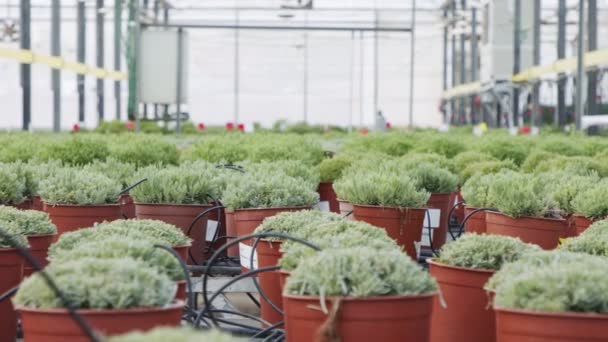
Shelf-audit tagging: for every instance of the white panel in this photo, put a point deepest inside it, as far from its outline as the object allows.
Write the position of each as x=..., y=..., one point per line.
x=211, y=230
x=245, y=253
x=158, y=66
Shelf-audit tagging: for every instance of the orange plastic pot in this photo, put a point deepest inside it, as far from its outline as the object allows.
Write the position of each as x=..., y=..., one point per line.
x=404, y=225
x=346, y=208
x=467, y=316
x=475, y=223
x=11, y=273
x=181, y=293
x=127, y=206
x=56, y=325
x=443, y=202
x=381, y=318
x=581, y=223
x=523, y=325
x=39, y=246
x=327, y=193
x=68, y=217
x=182, y=216
x=270, y=282
x=544, y=232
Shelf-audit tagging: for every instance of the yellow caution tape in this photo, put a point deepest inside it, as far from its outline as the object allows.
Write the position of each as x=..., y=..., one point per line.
x=593, y=59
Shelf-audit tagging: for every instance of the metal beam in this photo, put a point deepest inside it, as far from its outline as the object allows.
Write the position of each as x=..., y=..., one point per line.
x=376, y=71
x=561, y=53
x=474, y=58
x=412, y=62
x=591, y=46
x=237, y=68
x=56, y=73
x=281, y=28
x=26, y=69
x=80, y=56
x=117, y=54
x=179, y=71
x=580, y=66
x=461, y=69
x=305, y=75
x=100, y=37
x=536, y=61
x=454, y=83
x=445, y=60
x=516, y=59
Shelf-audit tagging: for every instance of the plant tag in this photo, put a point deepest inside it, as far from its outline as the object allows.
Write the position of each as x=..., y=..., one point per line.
x=434, y=215
x=245, y=253
x=418, y=245
x=211, y=230
x=323, y=206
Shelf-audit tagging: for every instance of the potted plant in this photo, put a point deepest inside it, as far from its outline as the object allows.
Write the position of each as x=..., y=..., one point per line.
x=341, y=294
x=331, y=169
x=38, y=229
x=77, y=199
x=76, y=150
x=11, y=273
x=122, y=172
x=475, y=193
x=153, y=231
x=177, y=195
x=525, y=210
x=143, y=150
x=590, y=205
x=163, y=334
x=557, y=302
x=113, y=296
x=387, y=199
x=12, y=188
x=461, y=270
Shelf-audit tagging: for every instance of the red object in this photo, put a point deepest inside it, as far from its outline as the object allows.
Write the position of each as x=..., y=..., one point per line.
x=364, y=131
x=544, y=232
x=477, y=100
x=127, y=206
x=377, y=318
x=404, y=225
x=443, y=202
x=581, y=223
x=229, y=126
x=25, y=205
x=388, y=125
x=327, y=193
x=201, y=126
x=241, y=127
x=181, y=292
x=522, y=325
x=76, y=127
x=525, y=130
x=39, y=246
x=466, y=301
x=270, y=281
x=57, y=325
x=73, y=217
x=130, y=125
x=11, y=273
x=475, y=223
x=182, y=251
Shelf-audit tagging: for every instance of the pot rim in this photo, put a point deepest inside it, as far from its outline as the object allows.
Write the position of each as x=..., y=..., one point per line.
x=527, y=217
x=62, y=311
x=183, y=246
x=387, y=207
x=362, y=299
x=263, y=209
x=41, y=235
x=8, y=249
x=588, y=315
x=104, y=205
x=173, y=204
x=434, y=262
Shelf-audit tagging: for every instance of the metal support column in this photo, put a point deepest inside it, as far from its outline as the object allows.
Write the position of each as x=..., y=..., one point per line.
x=80, y=56
x=592, y=107
x=99, y=29
x=453, y=59
x=516, y=60
x=536, y=61
x=474, y=58
x=352, y=83
x=561, y=53
x=376, y=64
x=305, y=76
x=26, y=69
x=412, y=61
x=361, y=77
x=117, y=53
x=55, y=73
x=461, y=70
x=237, y=75
x=580, y=66
x=179, y=71
x=445, y=59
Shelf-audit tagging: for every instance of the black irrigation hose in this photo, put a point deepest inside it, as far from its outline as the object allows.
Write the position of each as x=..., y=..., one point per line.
x=348, y=213
x=267, y=330
x=450, y=213
x=130, y=187
x=184, y=268
x=196, y=219
x=82, y=324
x=462, y=228
x=231, y=167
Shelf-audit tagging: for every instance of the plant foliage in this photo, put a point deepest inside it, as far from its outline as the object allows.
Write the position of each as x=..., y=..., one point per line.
x=29, y=222
x=72, y=186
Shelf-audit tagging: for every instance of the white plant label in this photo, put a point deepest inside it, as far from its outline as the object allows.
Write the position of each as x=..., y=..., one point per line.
x=418, y=246
x=323, y=206
x=245, y=253
x=211, y=230
x=434, y=215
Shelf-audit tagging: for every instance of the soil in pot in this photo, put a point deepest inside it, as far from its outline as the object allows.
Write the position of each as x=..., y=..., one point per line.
x=475, y=223
x=382, y=318
x=404, y=225
x=182, y=216
x=39, y=246
x=56, y=325
x=327, y=194
x=443, y=202
x=467, y=315
x=544, y=232
x=68, y=218
x=522, y=325
x=270, y=281
x=11, y=273
x=346, y=208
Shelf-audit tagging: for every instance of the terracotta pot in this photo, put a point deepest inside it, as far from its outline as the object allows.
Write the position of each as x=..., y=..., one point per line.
x=11, y=273
x=268, y=255
x=182, y=291
x=39, y=246
x=544, y=232
x=443, y=202
x=283, y=275
x=37, y=203
x=127, y=206
x=475, y=223
x=346, y=208
x=459, y=212
x=466, y=301
x=56, y=325
x=182, y=216
x=581, y=223
x=381, y=318
x=68, y=218
x=521, y=326
x=327, y=193
x=404, y=225
x=25, y=205
x=182, y=251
